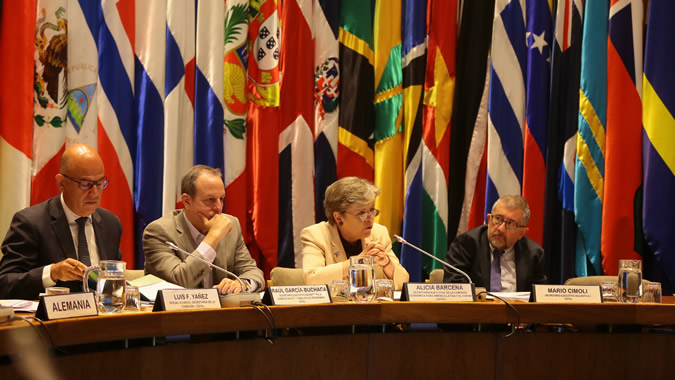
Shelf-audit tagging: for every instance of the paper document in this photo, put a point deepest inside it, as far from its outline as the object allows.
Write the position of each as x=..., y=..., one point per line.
x=520, y=296
x=21, y=305
x=149, y=285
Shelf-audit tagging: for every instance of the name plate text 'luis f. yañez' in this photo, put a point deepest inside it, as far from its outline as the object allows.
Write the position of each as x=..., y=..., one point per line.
x=187, y=299
x=566, y=293
x=428, y=292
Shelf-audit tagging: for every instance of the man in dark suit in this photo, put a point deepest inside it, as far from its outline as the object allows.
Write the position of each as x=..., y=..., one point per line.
x=202, y=229
x=52, y=243
x=498, y=256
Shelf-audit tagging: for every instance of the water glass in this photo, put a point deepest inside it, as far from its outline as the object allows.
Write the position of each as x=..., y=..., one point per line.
x=133, y=298
x=652, y=292
x=339, y=290
x=361, y=276
x=630, y=281
x=57, y=290
x=384, y=288
x=609, y=291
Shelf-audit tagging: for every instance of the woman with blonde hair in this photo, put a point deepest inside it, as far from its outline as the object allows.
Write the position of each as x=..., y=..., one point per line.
x=350, y=231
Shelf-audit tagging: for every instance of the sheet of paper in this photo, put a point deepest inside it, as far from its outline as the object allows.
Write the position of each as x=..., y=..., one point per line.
x=150, y=291
x=21, y=305
x=520, y=296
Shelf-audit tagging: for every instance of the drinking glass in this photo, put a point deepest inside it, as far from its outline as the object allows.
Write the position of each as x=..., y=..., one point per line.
x=57, y=290
x=361, y=276
x=339, y=290
x=133, y=298
x=385, y=289
x=110, y=285
x=630, y=281
x=652, y=292
x=609, y=290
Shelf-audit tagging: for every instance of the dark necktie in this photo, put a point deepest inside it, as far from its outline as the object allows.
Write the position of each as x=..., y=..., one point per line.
x=82, y=247
x=496, y=272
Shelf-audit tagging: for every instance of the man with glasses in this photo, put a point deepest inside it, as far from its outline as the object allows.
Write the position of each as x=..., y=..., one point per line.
x=498, y=256
x=52, y=243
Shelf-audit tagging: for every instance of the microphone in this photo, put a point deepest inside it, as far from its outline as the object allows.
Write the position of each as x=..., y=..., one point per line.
x=226, y=300
x=403, y=241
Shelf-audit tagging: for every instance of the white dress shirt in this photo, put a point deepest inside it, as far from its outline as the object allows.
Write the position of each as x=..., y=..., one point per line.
x=71, y=217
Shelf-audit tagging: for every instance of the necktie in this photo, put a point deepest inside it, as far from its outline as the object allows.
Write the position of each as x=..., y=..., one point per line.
x=82, y=247
x=496, y=272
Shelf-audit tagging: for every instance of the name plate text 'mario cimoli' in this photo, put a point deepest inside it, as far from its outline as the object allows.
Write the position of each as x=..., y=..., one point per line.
x=60, y=306
x=428, y=292
x=566, y=293
x=297, y=295
x=187, y=299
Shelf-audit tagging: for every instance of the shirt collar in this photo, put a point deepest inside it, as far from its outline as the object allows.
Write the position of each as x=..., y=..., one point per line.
x=71, y=217
x=196, y=235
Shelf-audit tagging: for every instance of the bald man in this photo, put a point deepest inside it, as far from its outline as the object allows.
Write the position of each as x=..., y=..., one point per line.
x=52, y=243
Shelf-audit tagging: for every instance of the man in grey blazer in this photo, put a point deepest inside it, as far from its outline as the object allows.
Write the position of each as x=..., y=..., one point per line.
x=202, y=229
x=498, y=256
x=53, y=242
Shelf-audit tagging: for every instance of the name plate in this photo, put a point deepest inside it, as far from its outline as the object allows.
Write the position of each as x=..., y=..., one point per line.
x=187, y=299
x=61, y=306
x=566, y=293
x=430, y=292
x=297, y=295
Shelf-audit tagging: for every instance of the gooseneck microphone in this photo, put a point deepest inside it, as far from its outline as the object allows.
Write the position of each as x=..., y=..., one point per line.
x=403, y=241
x=241, y=283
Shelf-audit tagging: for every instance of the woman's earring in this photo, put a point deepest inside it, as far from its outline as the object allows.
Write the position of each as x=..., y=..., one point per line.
x=340, y=223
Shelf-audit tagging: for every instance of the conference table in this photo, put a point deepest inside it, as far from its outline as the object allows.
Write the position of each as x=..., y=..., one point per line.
x=352, y=341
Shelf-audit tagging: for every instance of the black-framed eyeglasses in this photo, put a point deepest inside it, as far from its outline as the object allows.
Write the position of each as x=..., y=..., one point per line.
x=363, y=215
x=86, y=185
x=497, y=221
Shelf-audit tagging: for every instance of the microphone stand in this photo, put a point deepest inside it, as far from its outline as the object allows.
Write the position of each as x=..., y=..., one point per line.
x=403, y=241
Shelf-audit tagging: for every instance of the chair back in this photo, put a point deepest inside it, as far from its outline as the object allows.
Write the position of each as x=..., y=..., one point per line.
x=287, y=276
x=436, y=276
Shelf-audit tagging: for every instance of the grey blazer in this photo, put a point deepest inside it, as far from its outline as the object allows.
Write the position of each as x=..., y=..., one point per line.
x=39, y=236
x=187, y=271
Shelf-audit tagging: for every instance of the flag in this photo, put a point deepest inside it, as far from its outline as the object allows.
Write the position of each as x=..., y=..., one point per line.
x=179, y=90
x=388, y=114
x=296, y=140
x=356, y=119
x=468, y=162
x=17, y=40
x=559, y=226
x=113, y=28
x=263, y=126
x=326, y=19
x=539, y=37
x=49, y=107
x=236, y=105
x=413, y=30
x=506, y=104
x=658, y=152
x=589, y=168
x=437, y=111
x=149, y=71
x=623, y=168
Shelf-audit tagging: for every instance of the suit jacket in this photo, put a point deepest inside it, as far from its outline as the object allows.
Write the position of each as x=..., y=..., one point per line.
x=187, y=271
x=470, y=252
x=39, y=236
x=322, y=254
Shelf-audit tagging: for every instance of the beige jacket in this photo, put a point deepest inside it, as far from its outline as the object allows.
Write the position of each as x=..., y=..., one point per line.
x=323, y=254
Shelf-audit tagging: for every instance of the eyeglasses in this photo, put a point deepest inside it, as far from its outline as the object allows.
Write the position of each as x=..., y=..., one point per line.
x=363, y=215
x=497, y=221
x=86, y=185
